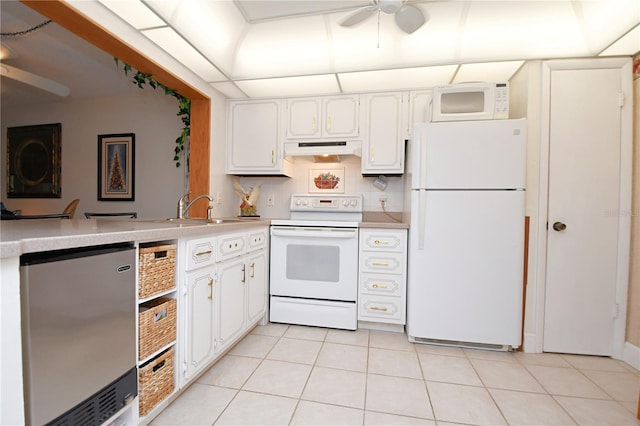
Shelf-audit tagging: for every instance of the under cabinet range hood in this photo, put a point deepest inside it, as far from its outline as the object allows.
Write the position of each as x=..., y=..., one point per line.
x=323, y=151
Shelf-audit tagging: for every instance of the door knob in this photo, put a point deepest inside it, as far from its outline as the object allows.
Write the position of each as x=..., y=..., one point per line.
x=559, y=226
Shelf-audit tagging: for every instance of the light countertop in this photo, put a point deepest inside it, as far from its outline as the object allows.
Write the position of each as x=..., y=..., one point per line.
x=29, y=236
x=35, y=235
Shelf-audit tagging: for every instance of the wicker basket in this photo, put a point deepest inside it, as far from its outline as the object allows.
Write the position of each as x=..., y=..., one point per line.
x=157, y=269
x=157, y=325
x=156, y=381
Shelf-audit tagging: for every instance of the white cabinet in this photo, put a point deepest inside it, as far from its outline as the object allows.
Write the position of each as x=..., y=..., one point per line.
x=254, y=143
x=198, y=290
x=383, y=276
x=385, y=131
x=224, y=293
x=323, y=117
x=419, y=110
x=241, y=285
x=230, y=306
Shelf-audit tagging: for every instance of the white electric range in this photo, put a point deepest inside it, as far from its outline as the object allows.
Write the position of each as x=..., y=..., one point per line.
x=314, y=262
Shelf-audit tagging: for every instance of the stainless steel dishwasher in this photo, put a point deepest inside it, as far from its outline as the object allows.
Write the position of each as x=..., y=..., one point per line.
x=78, y=334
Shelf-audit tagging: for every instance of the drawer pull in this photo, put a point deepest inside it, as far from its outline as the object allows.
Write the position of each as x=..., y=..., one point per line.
x=380, y=264
x=375, y=308
x=202, y=253
x=379, y=286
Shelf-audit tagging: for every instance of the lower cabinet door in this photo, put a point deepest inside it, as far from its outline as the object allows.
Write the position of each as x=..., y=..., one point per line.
x=230, y=302
x=256, y=286
x=199, y=324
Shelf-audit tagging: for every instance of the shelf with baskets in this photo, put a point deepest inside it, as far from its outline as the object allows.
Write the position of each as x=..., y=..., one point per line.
x=157, y=323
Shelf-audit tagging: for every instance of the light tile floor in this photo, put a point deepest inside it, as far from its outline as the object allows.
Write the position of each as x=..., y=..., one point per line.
x=296, y=375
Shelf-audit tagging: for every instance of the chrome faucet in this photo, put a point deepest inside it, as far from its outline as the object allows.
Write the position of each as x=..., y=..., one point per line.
x=184, y=205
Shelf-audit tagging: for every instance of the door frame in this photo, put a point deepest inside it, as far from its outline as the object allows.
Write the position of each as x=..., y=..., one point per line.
x=624, y=208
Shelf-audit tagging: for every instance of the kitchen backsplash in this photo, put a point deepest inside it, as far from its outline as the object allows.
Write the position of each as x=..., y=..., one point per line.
x=351, y=181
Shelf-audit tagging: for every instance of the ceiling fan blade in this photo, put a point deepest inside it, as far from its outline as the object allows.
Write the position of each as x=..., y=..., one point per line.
x=409, y=18
x=34, y=80
x=358, y=16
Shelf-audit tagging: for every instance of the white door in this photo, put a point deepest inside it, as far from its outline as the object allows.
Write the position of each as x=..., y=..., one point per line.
x=199, y=343
x=584, y=191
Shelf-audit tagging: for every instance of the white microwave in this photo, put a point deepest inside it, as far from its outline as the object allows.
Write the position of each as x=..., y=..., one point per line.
x=470, y=101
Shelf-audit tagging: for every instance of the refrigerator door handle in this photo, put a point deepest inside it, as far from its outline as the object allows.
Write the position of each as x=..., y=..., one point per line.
x=422, y=217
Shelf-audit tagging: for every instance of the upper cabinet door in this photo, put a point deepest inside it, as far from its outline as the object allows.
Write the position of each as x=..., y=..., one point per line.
x=341, y=116
x=303, y=118
x=384, y=141
x=253, y=135
x=419, y=111
x=323, y=117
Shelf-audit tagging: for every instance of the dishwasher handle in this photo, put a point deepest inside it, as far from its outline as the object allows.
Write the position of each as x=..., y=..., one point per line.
x=293, y=232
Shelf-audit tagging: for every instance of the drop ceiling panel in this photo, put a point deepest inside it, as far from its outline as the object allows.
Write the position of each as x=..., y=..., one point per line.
x=627, y=45
x=271, y=49
x=496, y=72
x=177, y=47
x=290, y=86
x=603, y=21
x=135, y=13
x=520, y=30
x=229, y=89
x=396, y=79
x=261, y=10
x=213, y=27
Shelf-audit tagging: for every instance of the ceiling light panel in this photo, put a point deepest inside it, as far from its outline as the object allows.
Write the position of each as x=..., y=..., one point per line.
x=542, y=29
x=265, y=10
x=134, y=13
x=604, y=20
x=396, y=79
x=627, y=45
x=213, y=27
x=271, y=49
x=290, y=86
x=496, y=72
x=177, y=47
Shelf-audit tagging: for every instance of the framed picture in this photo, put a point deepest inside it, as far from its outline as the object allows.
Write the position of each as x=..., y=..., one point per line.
x=116, y=167
x=33, y=161
x=327, y=180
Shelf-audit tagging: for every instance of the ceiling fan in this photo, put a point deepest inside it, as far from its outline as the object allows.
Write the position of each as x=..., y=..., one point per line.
x=408, y=17
x=27, y=77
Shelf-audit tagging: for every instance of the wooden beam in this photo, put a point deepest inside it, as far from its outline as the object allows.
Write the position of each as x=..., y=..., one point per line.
x=68, y=17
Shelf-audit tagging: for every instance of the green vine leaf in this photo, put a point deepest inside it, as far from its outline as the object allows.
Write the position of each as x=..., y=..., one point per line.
x=141, y=79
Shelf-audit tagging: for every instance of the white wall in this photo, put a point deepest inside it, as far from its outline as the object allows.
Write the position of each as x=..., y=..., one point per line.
x=149, y=114
x=355, y=183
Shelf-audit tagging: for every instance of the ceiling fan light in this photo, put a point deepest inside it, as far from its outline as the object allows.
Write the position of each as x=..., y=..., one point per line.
x=390, y=6
x=409, y=19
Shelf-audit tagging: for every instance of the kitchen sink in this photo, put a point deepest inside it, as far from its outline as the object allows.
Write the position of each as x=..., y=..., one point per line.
x=195, y=221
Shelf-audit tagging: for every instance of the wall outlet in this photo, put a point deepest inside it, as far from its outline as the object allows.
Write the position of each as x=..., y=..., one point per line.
x=383, y=201
x=218, y=197
x=271, y=199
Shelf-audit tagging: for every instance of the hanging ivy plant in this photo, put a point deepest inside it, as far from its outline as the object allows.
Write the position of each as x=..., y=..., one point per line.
x=141, y=80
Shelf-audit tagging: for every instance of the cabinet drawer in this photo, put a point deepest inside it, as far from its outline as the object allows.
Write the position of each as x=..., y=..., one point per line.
x=382, y=285
x=387, y=263
x=229, y=246
x=383, y=240
x=381, y=309
x=257, y=239
x=200, y=252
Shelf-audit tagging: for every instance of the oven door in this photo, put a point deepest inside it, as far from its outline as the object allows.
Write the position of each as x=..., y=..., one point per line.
x=314, y=262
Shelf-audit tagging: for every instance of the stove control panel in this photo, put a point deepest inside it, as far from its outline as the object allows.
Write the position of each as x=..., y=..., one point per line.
x=326, y=203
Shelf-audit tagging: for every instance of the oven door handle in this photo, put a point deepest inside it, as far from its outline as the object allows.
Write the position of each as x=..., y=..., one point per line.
x=314, y=233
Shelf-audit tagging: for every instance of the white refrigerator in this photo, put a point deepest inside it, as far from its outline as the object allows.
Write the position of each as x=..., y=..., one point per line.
x=466, y=237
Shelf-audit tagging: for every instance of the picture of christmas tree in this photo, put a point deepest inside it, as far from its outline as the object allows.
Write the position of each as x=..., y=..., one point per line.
x=116, y=178
x=116, y=160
